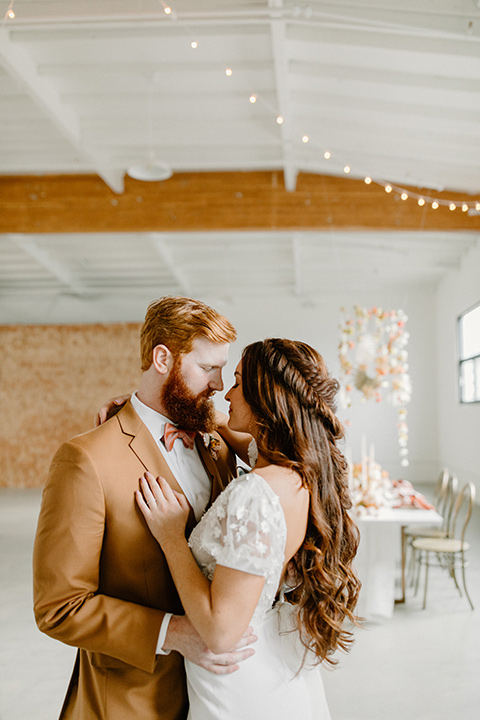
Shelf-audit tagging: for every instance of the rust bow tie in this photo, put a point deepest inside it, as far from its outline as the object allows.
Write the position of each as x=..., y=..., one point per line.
x=171, y=433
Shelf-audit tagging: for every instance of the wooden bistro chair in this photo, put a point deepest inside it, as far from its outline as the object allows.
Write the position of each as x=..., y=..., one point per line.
x=450, y=550
x=443, y=502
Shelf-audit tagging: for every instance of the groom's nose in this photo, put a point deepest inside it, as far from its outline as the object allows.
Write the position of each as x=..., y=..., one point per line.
x=216, y=383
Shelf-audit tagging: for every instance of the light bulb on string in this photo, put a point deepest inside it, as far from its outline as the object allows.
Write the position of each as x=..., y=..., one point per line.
x=368, y=180
x=305, y=139
x=404, y=196
x=279, y=120
x=434, y=204
x=253, y=99
x=421, y=201
x=452, y=206
x=327, y=155
x=464, y=207
x=477, y=207
x=167, y=10
x=347, y=169
x=388, y=188
x=10, y=14
x=194, y=44
x=228, y=72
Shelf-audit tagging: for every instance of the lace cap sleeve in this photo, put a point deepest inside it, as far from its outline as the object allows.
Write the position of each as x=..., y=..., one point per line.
x=249, y=531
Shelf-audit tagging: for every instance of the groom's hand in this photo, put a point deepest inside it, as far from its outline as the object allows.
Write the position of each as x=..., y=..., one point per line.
x=182, y=637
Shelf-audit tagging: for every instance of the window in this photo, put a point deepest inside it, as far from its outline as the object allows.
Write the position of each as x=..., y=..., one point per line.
x=469, y=343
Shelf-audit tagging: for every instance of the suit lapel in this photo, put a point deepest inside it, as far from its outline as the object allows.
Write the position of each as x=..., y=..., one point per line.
x=211, y=468
x=143, y=445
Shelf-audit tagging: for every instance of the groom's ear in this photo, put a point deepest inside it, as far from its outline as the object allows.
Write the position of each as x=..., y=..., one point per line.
x=162, y=359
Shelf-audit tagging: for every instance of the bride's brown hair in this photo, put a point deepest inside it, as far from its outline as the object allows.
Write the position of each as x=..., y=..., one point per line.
x=288, y=388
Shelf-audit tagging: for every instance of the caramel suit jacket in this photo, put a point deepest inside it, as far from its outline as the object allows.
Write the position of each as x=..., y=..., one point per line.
x=101, y=581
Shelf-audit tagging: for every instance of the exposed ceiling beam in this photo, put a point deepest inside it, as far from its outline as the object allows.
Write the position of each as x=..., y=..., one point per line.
x=166, y=256
x=18, y=64
x=50, y=263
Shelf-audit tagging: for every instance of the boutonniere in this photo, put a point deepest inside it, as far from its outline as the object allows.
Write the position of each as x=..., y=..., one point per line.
x=212, y=445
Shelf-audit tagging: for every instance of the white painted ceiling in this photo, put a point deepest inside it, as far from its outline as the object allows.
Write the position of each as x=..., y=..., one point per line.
x=390, y=88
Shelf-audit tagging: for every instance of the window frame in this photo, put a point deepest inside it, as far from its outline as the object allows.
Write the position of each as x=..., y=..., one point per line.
x=475, y=359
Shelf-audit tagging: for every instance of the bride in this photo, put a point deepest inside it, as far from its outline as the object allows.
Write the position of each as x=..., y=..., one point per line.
x=283, y=526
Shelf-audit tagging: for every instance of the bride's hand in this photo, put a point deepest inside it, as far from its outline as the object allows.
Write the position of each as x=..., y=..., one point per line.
x=165, y=510
x=221, y=420
x=110, y=409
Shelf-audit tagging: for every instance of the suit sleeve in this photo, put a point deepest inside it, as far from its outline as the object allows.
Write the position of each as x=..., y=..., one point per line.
x=66, y=564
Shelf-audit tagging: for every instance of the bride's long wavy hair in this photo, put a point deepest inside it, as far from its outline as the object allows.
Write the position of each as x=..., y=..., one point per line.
x=288, y=388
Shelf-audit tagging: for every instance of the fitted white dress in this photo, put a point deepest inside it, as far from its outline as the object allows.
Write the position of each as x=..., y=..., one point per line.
x=245, y=529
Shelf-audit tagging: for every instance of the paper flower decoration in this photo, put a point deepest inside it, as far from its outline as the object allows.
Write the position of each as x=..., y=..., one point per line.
x=373, y=359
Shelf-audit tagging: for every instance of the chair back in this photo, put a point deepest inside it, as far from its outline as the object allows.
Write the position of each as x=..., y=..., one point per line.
x=440, y=488
x=463, y=508
x=447, y=504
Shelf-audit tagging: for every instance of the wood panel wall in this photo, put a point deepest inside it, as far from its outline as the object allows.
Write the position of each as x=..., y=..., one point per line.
x=214, y=201
x=53, y=379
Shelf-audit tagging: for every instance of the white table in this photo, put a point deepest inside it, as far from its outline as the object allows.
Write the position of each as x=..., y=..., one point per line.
x=378, y=557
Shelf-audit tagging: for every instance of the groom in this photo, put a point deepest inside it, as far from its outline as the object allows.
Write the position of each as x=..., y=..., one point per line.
x=101, y=582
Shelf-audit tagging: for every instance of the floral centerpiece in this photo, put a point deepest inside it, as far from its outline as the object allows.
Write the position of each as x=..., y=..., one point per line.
x=372, y=488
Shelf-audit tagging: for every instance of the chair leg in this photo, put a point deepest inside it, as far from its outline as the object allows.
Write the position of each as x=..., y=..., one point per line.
x=426, y=580
x=417, y=579
x=451, y=561
x=465, y=584
x=411, y=571
x=404, y=551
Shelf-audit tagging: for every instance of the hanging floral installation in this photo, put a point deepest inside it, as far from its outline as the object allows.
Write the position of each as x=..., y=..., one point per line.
x=373, y=359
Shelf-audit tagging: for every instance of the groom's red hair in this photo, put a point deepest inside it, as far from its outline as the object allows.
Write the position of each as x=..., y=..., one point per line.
x=176, y=322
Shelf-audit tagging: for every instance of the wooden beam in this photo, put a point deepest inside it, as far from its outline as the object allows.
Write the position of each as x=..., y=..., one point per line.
x=215, y=201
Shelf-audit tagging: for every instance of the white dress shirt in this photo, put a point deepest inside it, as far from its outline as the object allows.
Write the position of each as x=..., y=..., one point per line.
x=188, y=470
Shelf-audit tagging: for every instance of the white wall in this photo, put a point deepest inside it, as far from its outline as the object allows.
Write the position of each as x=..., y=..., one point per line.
x=459, y=425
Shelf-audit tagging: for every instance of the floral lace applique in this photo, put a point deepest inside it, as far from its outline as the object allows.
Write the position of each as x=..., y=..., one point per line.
x=244, y=530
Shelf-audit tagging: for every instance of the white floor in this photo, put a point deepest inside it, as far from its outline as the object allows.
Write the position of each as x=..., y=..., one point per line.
x=421, y=665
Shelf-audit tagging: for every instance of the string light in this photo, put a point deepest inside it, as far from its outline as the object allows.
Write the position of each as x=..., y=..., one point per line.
x=10, y=14
x=434, y=203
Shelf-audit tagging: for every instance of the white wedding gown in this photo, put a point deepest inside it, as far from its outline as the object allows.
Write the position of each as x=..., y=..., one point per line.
x=245, y=530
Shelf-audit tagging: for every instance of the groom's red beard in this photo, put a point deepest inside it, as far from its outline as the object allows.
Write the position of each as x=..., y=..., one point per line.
x=181, y=406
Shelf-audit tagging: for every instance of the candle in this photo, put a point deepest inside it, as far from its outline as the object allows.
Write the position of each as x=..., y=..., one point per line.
x=371, y=460
x=364, y=462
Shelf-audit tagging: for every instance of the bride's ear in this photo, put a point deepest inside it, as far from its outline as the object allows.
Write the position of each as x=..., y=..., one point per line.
x=162, y=359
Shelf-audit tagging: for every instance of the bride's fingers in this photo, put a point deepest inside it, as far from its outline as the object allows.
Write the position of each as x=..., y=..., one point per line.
x=168, y=493
x=182, y=500
x=147, y=490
